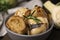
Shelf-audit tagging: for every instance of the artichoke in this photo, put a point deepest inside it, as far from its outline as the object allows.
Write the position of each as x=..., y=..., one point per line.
x=55, y=12
x=6, y=4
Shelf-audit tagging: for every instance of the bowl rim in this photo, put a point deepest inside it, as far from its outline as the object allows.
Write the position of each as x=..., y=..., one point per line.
x=51, y=27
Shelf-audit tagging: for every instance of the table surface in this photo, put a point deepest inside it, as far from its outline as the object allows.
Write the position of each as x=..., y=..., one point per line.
x=55, y=35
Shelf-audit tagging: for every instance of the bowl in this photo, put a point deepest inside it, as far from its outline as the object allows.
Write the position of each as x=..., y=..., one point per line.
x=42, y=36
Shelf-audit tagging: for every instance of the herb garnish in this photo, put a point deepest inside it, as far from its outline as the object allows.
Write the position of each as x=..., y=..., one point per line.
x=32, y=17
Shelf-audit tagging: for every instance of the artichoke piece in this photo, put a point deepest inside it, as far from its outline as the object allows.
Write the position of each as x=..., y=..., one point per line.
x=16, y=24
x=39, y=12
x=23, y=12
x=38, y=30
x=42, y=16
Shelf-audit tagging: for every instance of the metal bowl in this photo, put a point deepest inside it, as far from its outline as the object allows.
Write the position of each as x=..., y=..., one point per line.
x=42, y=36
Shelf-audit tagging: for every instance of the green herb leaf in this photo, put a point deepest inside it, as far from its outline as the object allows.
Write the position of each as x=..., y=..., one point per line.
x=32, y=17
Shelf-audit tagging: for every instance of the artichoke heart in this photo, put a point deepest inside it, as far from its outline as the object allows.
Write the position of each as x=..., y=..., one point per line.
x=16, y=24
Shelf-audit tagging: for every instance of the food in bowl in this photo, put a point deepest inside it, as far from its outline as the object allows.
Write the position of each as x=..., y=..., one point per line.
x=16, y=24
x=28, y=21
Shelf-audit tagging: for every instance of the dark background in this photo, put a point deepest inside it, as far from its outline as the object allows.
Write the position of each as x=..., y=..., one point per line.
x=53, y=1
